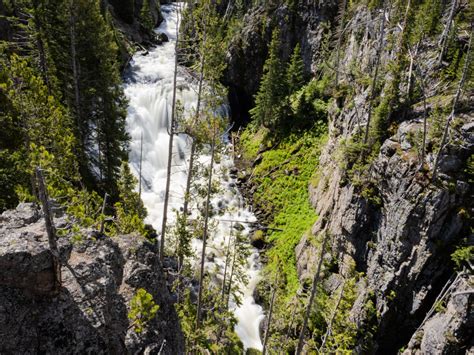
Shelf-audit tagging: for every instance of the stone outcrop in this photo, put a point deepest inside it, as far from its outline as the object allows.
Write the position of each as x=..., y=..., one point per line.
x=100, y=275
x=452, y=324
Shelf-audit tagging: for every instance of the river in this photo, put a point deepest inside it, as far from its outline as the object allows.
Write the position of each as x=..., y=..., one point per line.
x=149, y=88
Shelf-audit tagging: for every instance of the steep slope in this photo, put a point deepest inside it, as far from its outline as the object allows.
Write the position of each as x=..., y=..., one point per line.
x=389, y=224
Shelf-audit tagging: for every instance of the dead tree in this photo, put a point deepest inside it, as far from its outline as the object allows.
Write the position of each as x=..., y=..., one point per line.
x=376, y=72
x=443, y=42
x=206, y=226
x=227, y=255
x=171, y=132
x=455, y=102
x=342, y=15
x=314, y=292
x=425, y=116
x=104, y=204
x=140, y=170
x=270, y=313
x=48, y=219
x=331, y=320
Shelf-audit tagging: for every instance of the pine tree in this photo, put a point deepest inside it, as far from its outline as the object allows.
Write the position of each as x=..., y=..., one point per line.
x=130, y=209
x=146, y=16
x=42, y=134
x=270, y=99
x=295, y=77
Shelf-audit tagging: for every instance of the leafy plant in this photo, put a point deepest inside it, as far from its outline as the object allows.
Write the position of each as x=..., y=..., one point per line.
x=462, y=255
x=142, y=310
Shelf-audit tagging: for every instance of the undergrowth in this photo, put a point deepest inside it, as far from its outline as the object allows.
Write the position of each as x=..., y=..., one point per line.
x=281, y=180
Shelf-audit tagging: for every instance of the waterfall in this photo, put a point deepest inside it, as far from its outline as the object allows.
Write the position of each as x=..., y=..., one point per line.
x=149, y=88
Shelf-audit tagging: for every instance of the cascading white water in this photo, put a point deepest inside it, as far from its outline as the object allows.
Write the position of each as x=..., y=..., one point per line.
x=149, y=88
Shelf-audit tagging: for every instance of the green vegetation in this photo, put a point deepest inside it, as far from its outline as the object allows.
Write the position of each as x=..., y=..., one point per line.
x=282, y=180
x=146, y=16
x=270, y=103
x=462, y=255
x=142, y=310
x=63, y=109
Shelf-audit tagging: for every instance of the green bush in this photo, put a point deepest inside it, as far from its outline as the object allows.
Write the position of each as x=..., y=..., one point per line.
x=142, y=310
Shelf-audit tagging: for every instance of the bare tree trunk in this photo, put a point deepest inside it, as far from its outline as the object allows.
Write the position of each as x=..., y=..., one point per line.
x=193, y=144
x=425, y=117
x=234, y=256
x=206, y=226
x=102, y=224
x=270, y=314
x=170, y=148
x=411, y=70
x=339, y=38
x=443, y=43
x=227, y=255
x=292, y=320
x=43, y=62
x=376, y=72
x=314, y=292
x=455, y=102
x=140, y=170
x=187, y=194
x=48, y=219
x=333, y=315
x=75, y=71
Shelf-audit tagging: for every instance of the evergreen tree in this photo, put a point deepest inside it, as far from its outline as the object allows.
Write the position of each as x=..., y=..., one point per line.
x=270, y=99
x=130, y=209
x=146, y=16
x=40, y=118
x=295, y=77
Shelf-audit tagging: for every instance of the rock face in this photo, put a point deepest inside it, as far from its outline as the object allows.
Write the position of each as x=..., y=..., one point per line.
x=89, y=314
x=248, y=51
x=400, y=232
x=450, y=326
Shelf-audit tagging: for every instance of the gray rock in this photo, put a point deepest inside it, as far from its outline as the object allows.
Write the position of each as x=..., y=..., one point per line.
x=89, y=314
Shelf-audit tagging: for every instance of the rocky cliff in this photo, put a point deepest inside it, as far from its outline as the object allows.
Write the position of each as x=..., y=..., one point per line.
x=88, y=313
x=397, y=225
x=248, y=50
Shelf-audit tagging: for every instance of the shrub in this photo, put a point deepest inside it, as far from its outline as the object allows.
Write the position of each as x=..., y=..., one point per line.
x=142, y=310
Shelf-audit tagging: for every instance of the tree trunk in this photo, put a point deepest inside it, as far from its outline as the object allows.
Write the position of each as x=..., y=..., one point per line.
x=204, y=238
x=314, y=292
x=48, y=219
x=227, y=255
x=425, y=117
x=76, y=75
x=339, y=38
x=333, y=315
x=443, y=43
x=170, y=148
x=43, y=63
x=140, y=171
x=270, y=314
x=232, y=269
x=376, y=73
x=193, y=144
x=455, y=102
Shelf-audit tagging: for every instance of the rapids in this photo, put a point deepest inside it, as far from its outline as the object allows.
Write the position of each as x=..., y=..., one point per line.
x=149, y=88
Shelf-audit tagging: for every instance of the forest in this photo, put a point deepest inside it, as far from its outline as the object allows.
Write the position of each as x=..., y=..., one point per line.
x=236, y=176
